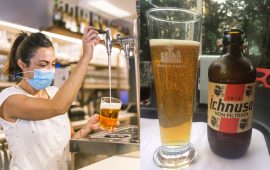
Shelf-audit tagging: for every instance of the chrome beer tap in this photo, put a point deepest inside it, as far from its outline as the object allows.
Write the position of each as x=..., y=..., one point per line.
x=108, y=42
x=107, y=38
x=130, y=46
x=126, y=43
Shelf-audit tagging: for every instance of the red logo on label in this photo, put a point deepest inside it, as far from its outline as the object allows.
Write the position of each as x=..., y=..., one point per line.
x=228, y=125
x=234, y=92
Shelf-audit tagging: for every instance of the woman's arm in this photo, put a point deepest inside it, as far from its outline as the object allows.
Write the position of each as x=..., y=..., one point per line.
x=29, y=108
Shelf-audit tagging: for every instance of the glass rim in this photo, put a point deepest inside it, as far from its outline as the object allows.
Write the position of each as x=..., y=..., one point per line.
x=118, y=100
x=148, y=14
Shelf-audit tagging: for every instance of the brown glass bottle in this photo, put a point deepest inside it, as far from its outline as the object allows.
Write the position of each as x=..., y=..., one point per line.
x=230, y=122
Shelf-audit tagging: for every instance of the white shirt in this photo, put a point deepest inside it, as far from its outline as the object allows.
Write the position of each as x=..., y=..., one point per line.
x=37, y=144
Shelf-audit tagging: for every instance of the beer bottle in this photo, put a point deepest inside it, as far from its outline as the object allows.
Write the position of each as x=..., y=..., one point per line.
x=56, y=14
x=230, y=99
x=91, y=22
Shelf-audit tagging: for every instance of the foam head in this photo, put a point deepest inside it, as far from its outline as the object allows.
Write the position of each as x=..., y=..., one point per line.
x=163, y=42
x=110, y=105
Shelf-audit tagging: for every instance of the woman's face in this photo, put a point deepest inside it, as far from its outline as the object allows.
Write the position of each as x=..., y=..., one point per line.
x=44, y=58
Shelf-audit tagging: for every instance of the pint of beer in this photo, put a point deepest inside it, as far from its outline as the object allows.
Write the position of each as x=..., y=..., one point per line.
x=174, y=66
x=109, y=110
x=174, y=37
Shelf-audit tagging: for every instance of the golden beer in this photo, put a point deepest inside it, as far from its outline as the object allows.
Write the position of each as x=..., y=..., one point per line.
x=174, y=68
x=109, y=110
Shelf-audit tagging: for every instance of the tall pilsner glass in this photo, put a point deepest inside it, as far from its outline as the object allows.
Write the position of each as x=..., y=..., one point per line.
x=174, y=36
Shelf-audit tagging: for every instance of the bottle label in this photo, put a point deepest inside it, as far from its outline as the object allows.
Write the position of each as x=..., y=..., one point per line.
x=230, y=107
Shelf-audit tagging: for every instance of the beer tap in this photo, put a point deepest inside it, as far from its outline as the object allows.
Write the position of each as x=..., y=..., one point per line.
x=126, y=43
x=108, y=42
x=107, y=38
x=129, y=44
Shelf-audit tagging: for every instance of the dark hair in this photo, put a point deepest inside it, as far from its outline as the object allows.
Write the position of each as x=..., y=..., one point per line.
x=24, y=48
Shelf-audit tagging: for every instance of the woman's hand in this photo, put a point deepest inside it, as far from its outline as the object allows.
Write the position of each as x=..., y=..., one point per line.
x=90, y=39
x=92, y=124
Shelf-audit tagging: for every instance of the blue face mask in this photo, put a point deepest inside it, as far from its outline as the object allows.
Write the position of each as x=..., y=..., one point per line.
x=42, y=78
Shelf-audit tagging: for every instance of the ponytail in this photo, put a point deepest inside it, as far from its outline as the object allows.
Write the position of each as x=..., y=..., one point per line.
x=12, y=66
x=24, y=48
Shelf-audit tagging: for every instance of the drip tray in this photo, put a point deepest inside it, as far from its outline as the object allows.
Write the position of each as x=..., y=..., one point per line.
x=124, y=140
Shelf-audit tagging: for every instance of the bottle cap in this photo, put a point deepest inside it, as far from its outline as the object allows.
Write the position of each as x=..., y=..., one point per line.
x=233, y=35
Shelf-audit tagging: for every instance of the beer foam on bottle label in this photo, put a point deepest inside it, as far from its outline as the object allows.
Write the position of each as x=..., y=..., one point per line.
x=230, y=107
x=110, y=105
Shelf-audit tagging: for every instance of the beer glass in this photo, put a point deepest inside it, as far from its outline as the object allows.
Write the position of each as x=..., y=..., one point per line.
x=174, y=36
x=109, y=110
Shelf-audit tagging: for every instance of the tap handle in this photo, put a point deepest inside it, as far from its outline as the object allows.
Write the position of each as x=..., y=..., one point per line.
x=107, y=38
x=108, y=41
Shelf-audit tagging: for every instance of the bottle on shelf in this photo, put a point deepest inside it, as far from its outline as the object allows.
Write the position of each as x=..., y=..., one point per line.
x=91, y=22
x=86, y=18
x=230, y=99
x=82, y=22
x=62, y=22
x=99, y=22
x=57, y=18
x=77, y=19
x=73, y=24
x=95, y=19
x=66, y=17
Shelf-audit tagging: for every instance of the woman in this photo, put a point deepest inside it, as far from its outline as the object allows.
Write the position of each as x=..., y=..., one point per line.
x=32, y=113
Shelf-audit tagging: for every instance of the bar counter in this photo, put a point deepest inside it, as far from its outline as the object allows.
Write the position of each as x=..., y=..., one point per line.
x=130, y=161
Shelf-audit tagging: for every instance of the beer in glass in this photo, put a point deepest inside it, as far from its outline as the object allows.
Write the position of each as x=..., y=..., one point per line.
x=109, y=110
x=174, y=36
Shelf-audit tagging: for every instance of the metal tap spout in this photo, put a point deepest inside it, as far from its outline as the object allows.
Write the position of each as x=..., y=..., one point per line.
x=107, y=38
x=127, y=44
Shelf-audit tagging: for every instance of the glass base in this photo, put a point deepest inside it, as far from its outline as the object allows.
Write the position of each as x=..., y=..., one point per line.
x=175, y=156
